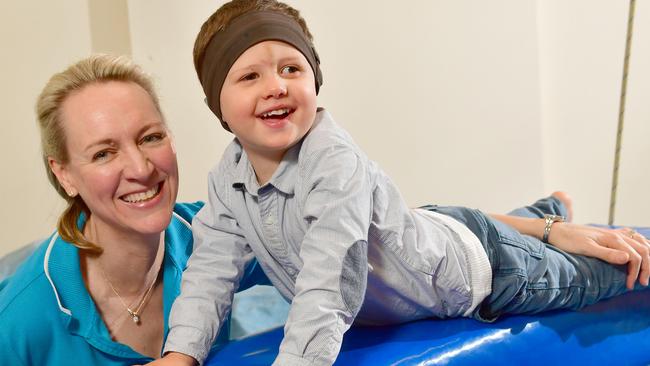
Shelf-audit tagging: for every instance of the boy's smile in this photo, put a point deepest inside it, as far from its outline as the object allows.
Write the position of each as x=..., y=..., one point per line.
x=276, y=117
x=269, y=100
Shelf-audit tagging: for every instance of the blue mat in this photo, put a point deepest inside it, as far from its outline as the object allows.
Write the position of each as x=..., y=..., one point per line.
x=612, y=332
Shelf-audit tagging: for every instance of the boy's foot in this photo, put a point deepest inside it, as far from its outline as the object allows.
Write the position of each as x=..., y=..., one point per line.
x=566, y=200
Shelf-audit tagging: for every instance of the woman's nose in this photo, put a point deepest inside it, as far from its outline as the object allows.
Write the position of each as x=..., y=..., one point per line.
x=137, y=165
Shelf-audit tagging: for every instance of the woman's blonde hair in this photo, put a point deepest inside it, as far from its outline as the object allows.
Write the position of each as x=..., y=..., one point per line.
x=91, y=70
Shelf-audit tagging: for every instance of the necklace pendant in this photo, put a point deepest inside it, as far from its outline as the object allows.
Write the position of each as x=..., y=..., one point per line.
x=134, y=315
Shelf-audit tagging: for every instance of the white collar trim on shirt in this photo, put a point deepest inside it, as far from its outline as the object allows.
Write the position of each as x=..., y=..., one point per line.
x=46, y=262
x=181, y=219
x=47, y=272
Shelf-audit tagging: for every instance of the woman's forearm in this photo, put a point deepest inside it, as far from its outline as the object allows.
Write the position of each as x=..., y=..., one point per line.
x=525, y=225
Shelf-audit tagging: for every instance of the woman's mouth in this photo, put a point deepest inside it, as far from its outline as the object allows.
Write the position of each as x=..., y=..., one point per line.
x=142, y=196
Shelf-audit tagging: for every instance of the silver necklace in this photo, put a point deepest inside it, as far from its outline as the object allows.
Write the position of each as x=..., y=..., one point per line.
x=136, y=313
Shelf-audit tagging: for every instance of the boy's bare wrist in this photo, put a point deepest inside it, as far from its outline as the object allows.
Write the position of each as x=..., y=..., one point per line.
x=181, y=359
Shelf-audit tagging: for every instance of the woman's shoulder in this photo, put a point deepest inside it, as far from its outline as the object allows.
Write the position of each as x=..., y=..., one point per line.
x=187, y=210
x=11, y=261
x=35, y=328
x=29, y=319
x=26, y=295
x=22, y=267
x=179, y=232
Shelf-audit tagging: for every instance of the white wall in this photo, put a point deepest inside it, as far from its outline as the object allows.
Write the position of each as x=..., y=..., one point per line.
x=485, y=104
x=38, y=39
x=634, y=184
x=437, y=93
x=109, y=26
x=582, y=45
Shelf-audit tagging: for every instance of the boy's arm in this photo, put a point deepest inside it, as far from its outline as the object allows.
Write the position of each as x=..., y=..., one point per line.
x=331, y=286
x=213, y=273
x=174, y=359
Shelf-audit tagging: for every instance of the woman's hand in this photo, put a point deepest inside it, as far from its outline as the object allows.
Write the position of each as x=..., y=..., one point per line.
x=174, y=359
x=616, y=246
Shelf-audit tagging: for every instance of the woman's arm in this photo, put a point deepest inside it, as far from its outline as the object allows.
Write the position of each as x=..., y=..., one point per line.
x=616, y=246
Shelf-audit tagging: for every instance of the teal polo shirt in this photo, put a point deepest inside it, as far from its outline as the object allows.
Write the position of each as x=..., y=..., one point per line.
x=47, y=316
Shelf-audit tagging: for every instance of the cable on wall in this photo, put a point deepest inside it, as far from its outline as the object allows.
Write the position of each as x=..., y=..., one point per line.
x=621, y=111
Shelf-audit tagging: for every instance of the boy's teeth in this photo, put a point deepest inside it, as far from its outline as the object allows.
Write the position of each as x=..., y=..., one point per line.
x=142, y=196
x=276, y=112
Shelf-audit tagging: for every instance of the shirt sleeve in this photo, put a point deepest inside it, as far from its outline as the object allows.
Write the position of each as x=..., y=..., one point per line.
x=331, y=286
x=213, y=273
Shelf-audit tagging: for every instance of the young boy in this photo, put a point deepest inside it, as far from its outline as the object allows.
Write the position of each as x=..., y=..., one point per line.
x=331, y=230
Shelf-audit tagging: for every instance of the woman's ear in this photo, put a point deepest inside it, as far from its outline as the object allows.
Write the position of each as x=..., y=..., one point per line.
x=62, y=175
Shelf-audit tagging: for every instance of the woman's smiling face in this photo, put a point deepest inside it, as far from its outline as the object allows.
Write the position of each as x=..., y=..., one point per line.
x=121, y=158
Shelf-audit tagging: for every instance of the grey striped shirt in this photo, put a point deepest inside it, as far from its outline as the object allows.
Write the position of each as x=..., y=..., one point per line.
x=335, y=237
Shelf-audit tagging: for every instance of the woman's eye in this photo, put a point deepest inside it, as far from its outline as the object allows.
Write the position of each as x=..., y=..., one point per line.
x=100, y=155
x=251, y=76
x=154, y=137
x=289, y=69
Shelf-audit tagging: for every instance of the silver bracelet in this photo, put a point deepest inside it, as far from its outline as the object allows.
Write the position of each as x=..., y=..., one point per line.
x=549, y=221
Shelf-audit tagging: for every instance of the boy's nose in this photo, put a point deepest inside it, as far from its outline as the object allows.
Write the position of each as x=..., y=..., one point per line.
x=275, y=88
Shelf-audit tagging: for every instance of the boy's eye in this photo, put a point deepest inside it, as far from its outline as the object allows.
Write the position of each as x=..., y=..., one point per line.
x=289, y=69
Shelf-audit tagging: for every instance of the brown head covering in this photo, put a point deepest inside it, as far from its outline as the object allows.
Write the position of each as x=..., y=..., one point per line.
x=243, y=32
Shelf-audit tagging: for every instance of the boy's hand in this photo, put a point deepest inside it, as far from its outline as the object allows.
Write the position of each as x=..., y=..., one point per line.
x=174, y=359
x=616, y=246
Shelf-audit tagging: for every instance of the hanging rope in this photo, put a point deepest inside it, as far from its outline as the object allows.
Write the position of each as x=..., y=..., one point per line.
x=621, y=111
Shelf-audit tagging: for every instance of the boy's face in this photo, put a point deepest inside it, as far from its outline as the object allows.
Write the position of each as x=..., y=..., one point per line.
x=269, y=99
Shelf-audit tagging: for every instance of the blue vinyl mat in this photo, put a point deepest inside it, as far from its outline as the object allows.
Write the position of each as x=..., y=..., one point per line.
x=612, y=332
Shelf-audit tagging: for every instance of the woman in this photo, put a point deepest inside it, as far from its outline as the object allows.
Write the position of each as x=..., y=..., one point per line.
x=99, y=290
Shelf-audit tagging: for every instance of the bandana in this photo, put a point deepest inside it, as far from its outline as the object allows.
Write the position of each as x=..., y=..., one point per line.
x=243, y=32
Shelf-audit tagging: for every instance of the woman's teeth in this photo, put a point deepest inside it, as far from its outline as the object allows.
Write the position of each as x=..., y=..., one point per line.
x=142, y=196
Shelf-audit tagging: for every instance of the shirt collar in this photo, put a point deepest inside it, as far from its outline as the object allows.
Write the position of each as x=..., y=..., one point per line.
x=77, y=308
x=62, y=268
x=177, y=253
x=283, y=178
x=244, y=175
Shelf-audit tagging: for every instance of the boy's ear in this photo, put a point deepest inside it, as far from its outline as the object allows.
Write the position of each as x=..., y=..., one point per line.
x=62, y=175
